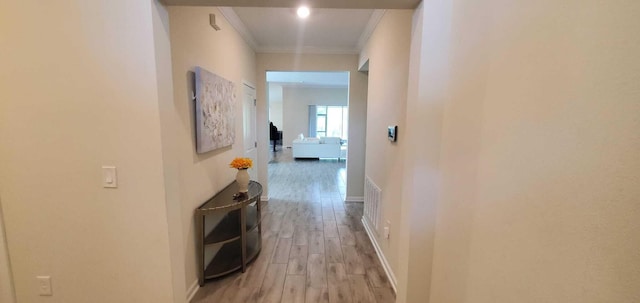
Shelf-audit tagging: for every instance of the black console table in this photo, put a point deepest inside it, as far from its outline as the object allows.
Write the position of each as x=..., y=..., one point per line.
x=229, y=231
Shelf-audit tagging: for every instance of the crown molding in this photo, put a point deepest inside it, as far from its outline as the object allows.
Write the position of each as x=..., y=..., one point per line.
x=307, y=50
x=230, y=15
x=233, y=19
x=376, y=16
x=358, y=4
x=310, y=85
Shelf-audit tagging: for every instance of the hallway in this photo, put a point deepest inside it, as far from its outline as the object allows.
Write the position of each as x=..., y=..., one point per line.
x=314, y=246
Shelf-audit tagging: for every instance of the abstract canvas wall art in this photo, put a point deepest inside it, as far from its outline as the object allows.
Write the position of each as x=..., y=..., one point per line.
x=215, y=116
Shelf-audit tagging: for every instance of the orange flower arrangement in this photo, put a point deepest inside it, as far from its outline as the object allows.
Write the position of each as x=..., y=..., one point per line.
x=241, y=163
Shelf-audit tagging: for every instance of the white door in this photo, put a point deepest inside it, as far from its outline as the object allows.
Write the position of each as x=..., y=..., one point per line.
x=249, y=129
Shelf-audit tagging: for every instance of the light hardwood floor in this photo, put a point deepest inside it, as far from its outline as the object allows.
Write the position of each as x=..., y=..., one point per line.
x=314, y=246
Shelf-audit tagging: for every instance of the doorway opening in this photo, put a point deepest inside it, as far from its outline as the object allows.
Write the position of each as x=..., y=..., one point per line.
x=309, y=121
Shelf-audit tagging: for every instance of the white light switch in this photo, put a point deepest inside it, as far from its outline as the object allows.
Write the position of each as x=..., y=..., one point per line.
x=44, y=285
x=109, y=178
x=387, y=229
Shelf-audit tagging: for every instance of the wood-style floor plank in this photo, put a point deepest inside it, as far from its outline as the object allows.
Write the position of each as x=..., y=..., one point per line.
x=256, y=271
x=215, y=288
x=330, y=229
x=376, y=278
x=361, y=292
x=245, y=295
x=316, y=295
x=273, y=283
x=362, y=241
x=316, y=271
x=384, y=295
x=339, y=286
x=316, y=225
x=316, y=242
x=294, y=288
x=298, y=260
x=300, y=235
x=346, y=235
x=352, y=260
x=314, y=248
x=333, y=250
x=287, y=229
x=327, y=213
x=281, y=253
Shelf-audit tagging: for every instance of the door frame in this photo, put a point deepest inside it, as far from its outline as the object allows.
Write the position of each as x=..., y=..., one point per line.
x=6, y=281
x=255, y=131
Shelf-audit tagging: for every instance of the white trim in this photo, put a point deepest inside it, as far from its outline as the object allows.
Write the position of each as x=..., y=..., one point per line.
x=381, y=257
x=296, y=85
x=264, y=198
x=7, y=293
x=193, y=290
x=307, y=50
x=233, y=19
x=371, y=26
x=248, y=84
x=354, y=199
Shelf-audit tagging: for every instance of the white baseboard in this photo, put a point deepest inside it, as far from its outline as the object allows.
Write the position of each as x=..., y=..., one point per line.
x=193, y=290
x=264, y=198
x=354, y=199
x=381, y=257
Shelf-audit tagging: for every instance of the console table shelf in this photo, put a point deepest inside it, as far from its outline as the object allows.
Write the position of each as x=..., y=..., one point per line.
x=227, y=260
x=229, y=231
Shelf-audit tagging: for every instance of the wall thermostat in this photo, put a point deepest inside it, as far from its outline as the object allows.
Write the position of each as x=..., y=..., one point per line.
x=392, y=133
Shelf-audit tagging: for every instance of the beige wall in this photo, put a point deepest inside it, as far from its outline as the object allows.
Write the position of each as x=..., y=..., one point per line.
x=195, y=43
x=536, y=183
x=388, y=53
x=296, y=103
x=79, y=92
x=357, y=107
x=275, y=105
x=168, y=118
x=421, y=175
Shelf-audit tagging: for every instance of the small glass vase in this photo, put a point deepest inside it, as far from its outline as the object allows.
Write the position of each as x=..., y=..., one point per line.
x=242, y=177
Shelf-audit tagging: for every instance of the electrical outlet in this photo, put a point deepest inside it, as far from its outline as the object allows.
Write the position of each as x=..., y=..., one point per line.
x=44, y=285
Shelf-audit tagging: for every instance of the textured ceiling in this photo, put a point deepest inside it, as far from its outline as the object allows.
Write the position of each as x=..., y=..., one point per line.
x=365, y=4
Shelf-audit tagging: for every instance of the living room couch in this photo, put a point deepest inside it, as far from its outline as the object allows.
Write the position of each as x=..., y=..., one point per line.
x=325, y=147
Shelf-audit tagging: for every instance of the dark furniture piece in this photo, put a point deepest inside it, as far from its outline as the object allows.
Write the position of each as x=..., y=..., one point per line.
x=275, y=135
x=229, y=231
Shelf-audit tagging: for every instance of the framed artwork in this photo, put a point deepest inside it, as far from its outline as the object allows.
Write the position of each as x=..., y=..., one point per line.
x=215, y=115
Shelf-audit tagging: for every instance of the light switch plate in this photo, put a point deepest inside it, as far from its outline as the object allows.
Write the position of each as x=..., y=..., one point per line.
x=109, y=177
x=44, y=285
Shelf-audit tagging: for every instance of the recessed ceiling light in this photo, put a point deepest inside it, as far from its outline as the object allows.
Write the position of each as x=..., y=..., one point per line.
x=303, y=12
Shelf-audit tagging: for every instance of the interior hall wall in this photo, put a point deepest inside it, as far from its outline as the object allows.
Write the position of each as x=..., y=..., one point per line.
x=387, y=52
x=200, y=176
x=79, y=92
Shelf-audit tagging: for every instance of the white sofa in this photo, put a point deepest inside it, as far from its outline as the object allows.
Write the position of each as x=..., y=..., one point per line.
x=325, y=147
